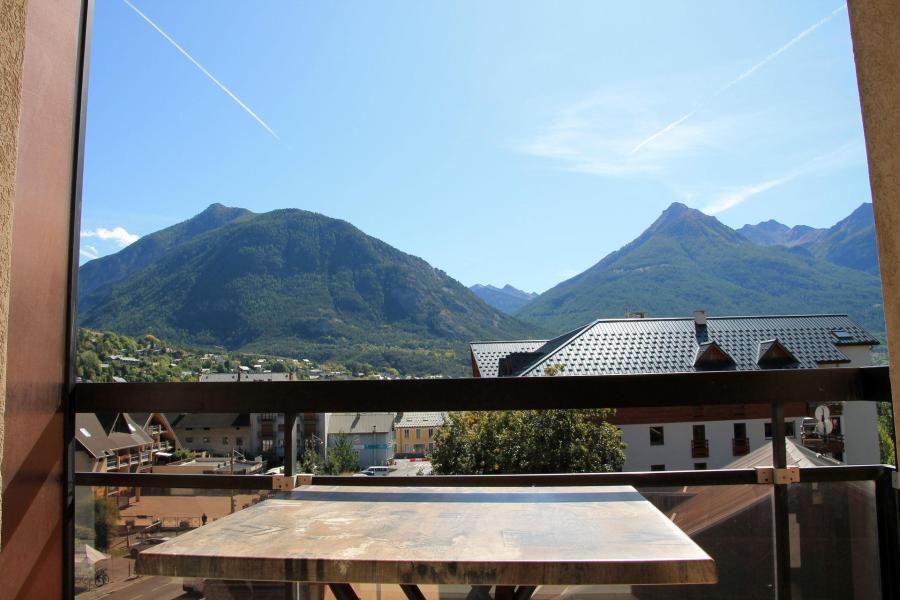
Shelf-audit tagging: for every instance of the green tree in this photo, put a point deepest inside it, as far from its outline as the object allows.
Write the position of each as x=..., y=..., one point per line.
x=886, y=433
x=106, y=521
x=311, y=461
x=342, y=458
x=547, y=441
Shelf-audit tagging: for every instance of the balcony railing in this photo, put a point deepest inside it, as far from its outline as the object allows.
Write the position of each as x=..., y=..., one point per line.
x=699, y=448
x=775, y=388
x=740, y=446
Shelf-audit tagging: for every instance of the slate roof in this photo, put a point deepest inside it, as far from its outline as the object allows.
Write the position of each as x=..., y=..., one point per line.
x=488, y=354
x=621, y=346
x=211, y=420
x=92, y=435
x=420, y=419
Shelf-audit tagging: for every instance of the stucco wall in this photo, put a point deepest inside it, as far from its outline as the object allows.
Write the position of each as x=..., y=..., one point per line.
x=12, y=48
x=875, y=28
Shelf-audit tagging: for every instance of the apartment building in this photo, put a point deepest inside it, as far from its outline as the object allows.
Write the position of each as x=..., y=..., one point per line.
x=414, y=433
x=707, y=437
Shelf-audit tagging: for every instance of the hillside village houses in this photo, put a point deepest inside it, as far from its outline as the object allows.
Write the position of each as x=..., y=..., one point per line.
x=704, y=437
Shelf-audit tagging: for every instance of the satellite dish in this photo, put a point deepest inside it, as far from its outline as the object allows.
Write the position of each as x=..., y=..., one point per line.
x=824, y=426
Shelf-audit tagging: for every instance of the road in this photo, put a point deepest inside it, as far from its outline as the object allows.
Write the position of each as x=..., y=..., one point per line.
x=406, y=467
x=143, y=588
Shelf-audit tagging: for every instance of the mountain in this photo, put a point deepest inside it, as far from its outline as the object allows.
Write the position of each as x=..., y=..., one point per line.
x=773, y=233
x=507, y=299
x=293, y=282
x=108, y=269
x=849, y=243
x=687, y=260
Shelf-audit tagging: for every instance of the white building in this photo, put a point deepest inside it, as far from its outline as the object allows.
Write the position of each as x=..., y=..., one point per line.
x=370, y=434
x=701, y=437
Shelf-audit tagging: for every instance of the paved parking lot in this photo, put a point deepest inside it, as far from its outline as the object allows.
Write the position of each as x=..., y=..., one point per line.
x=407, y=467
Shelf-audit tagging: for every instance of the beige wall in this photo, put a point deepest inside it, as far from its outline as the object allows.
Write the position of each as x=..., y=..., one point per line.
x=875, y=28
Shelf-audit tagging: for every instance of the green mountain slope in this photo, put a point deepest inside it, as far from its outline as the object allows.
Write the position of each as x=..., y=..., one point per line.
x=687, y=260
x=292, y=282
x=109, y=269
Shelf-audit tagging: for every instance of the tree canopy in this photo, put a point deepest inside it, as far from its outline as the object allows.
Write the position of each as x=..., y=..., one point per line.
x=517, y=441
x=342, y=458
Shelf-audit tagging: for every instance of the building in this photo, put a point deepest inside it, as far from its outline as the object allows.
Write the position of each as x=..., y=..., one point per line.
x=680, y=438
x=414, y=433
x=215, y=433
x=113, y=442
x=267, y=429
x=369, y=433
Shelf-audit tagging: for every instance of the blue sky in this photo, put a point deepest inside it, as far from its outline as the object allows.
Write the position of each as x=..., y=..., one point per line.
x=503, y=142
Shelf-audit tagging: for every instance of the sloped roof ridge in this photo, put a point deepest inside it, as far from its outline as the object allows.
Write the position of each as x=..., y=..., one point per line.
x=565, y=339
x=506, y=341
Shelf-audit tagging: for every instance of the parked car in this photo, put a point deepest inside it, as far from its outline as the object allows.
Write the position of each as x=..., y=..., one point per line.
x=376, y=471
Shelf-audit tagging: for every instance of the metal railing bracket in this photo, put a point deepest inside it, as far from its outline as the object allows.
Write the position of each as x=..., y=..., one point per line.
x=778, y=476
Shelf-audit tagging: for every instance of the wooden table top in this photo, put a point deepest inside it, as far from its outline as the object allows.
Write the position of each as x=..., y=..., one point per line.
x=440, y=535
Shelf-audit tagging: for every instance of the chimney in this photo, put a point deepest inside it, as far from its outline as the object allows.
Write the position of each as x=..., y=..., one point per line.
x=700, y=326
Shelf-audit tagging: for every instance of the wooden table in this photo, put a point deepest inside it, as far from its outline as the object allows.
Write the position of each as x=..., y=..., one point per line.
x=509, y=536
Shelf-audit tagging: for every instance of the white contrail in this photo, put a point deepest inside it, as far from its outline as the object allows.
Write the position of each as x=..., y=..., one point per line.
x=740, y=78
x=203, y=69
x=665, y=130
x=775, y=54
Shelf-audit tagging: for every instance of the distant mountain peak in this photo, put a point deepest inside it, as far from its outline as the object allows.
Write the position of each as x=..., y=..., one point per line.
x=508, y=299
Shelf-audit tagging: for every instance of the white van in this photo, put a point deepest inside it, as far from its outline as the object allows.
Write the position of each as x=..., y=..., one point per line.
x=376, y=471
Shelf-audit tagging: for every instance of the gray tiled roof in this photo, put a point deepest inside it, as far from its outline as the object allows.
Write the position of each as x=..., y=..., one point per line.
x=93, y=436
x=488, y=354
x=420, y=419
x=211, y=420
x=620, y=346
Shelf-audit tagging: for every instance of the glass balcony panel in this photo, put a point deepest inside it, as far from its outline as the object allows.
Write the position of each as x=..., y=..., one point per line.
x=833, y=531
x=733, y=524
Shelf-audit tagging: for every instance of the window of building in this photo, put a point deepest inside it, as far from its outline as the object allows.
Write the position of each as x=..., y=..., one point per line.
x=225, y=440
x=430, y=432
x=395, y=448
x=789, y=429
x=267, y=445
x=656, y=436
x=699, y=432
x=657, y=467
x=239, y=441
x=418, y=433
x=699, y=466
x=205, y=440
x=189, y=440
x=430, y=448
x=406, y=434
x=189, y=428
x=740, y=431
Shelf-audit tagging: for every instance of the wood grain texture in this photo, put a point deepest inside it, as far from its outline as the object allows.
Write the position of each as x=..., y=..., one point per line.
x=429, y=535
